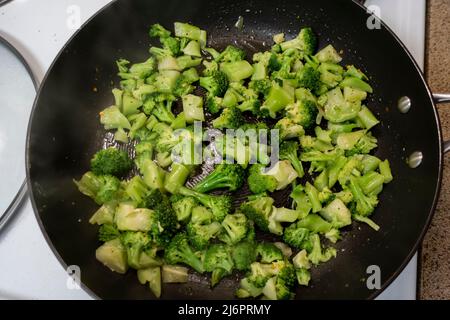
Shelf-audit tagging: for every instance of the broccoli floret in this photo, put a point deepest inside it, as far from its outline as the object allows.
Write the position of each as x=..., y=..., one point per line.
x=219, y=205
x=308, y=77
x=211, y=67
x=305, y=41
x=268, y=252
x=214, y=104
x=218, y=260
x=230, y=118
x=259, y=211
x=337, y=214
x=158, y=31
x=285, y=282
x=261, y=87
x=135, y=243
x=296, y=236
x=182, y=87
x=231, y=54
x=228, y=176
x=200, y=234
x=260, y=273
x=288, y=151
x=244, y=254
x=252, y=106
x=179, y=251
x=108, y=232
x=235, y=228
x=102, y=188
x=216, y=83
x=183, y=206
x=289, y=129
x=172, y=44
x=185, y=30
x=365, y=204
x=303, y=112
x=258, y=182
x=303, y=276
x=111, y=161
x=364, y=145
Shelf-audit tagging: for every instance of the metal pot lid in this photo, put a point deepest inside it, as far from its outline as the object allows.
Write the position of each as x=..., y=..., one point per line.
x=17, y=93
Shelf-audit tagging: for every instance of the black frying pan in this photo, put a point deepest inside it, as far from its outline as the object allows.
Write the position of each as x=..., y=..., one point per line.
x=65, y=131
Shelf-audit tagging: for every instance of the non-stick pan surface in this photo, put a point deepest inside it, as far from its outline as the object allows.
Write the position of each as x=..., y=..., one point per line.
x=65, y=131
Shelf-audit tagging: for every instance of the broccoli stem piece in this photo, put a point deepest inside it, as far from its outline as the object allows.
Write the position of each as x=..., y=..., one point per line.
x=371, y=182
x=385, y=170
x=277, y=99
x=176, y=177
x=313, y=196
x=237, y=70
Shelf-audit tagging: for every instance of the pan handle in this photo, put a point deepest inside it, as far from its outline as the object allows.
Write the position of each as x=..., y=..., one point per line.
x=443, y=98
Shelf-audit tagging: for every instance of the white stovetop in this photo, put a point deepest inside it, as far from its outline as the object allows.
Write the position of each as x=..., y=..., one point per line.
x=39, y=29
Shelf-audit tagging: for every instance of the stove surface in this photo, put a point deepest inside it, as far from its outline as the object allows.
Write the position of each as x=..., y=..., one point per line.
x=39, y=29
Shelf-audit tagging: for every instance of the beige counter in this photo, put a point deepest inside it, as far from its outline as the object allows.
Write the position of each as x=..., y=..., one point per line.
x=435, y=254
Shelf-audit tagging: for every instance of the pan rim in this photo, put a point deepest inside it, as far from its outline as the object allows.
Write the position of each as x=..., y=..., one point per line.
x=371, y=296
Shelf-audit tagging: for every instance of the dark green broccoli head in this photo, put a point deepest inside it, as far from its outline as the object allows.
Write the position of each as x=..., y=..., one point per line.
x=244, y=254
x=158, y=31
x=303, y=112
x=231, y=54
x=153, y=198
x=274, y=63
x=183, y=206
x=229, y=176
x=296, y=236
x=109, y=190
x=258, y=211
x=308, y=40
x=135, y=243
x=235, y=228
x=216, y=83
x=268, y=252
x=230, y=118
x=261, y=87
x=214, y=104
x=308, y=77
x=200, y=234
x=108, y=232
x=171, y=44
x=218, y=260
x=111, y=161
x=285, y=282
x=179, y=251
x=258, y=182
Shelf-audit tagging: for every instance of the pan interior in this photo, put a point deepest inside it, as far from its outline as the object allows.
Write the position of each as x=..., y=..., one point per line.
x=65, y=132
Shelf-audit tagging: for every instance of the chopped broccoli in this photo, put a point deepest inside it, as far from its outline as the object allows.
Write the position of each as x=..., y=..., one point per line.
x=296, y=236
x=317, y=255
x=365, y=204
x=135, y=243
x=289, y=151
x=183, y=206
x=261, y=87
x=219, y=205
x=102, y=188
x=229, y=176
x=158, y=31
x=231, y=54
x=259, y=211
x=268, y=252
x=230, y=118
x=179, y=251
x=214, y=104
x=200, y=234
x=108, y=232
x=259, y=182
x=111, y=161
x=235, y=228
x=218, y=260
x=216, y=83
x=244, y=254
x=305, y=41
x=302, y=112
